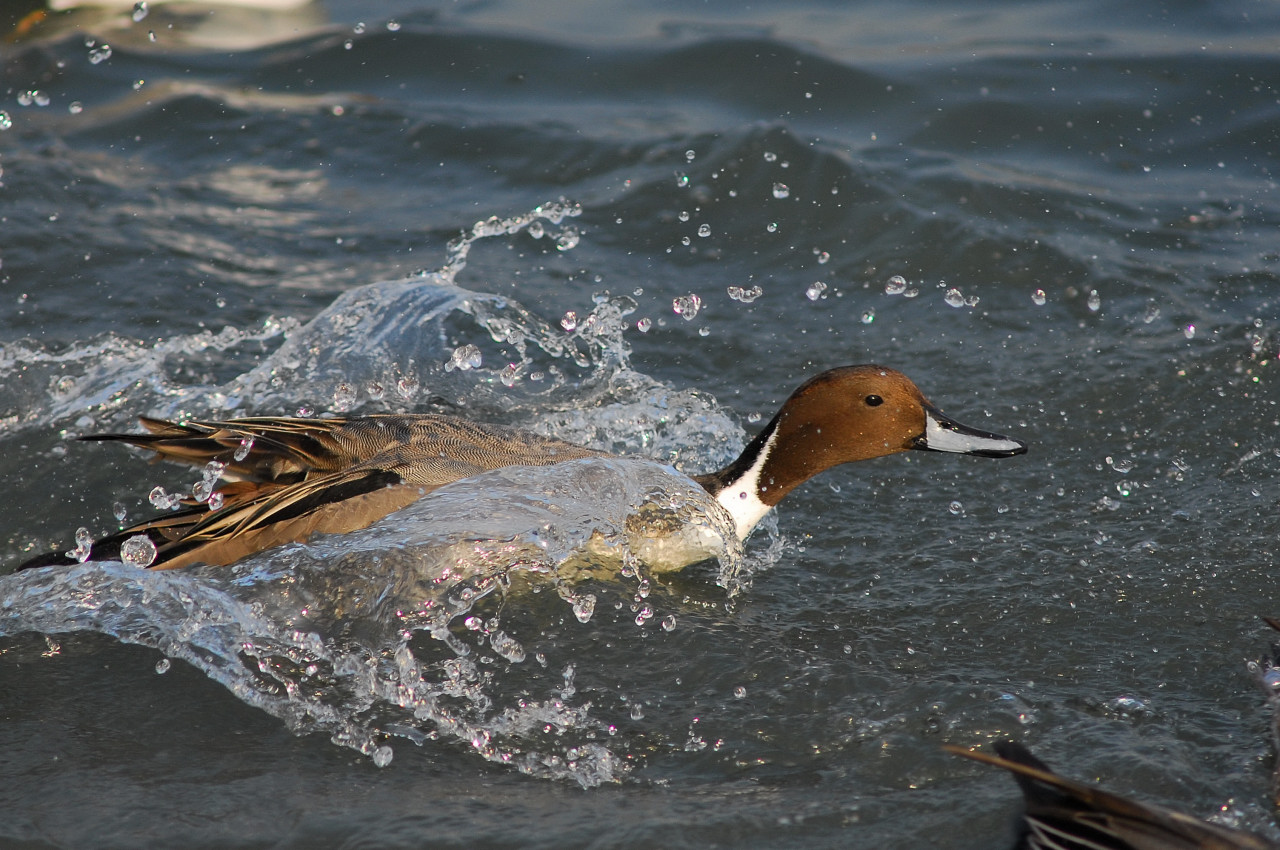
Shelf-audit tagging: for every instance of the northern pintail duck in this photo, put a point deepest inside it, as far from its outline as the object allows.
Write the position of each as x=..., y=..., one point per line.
x=299, y=477
x=1060, y=814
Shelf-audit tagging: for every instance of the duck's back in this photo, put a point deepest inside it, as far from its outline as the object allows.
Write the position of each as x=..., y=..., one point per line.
x=291, y=478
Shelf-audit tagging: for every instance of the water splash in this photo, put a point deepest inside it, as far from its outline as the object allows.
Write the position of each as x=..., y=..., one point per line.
x=552, y=213
x=386, y=633
x=361, y=636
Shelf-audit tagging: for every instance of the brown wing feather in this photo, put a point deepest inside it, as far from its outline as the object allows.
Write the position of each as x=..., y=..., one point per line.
x=217, y=549
x=303, y=476
x=286, y=450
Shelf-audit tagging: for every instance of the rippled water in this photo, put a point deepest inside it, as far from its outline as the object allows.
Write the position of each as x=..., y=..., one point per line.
x=1059, y=219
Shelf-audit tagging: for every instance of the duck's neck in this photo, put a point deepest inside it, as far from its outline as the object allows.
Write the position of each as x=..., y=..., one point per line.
x=746, y=488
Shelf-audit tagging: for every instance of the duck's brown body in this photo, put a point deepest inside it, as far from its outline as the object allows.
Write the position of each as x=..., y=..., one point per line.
x=287, y=479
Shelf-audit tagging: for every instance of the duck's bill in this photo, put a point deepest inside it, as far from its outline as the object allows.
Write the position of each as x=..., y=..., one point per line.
x=947, y=435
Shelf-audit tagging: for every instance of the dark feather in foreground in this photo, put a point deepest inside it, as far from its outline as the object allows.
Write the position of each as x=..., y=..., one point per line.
x=1061, y=814
x=1267, y=674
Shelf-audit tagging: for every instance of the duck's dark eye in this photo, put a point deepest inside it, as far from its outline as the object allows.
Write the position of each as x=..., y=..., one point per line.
x=873, y=401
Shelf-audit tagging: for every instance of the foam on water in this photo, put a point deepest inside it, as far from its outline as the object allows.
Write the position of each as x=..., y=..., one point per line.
x=376, y=634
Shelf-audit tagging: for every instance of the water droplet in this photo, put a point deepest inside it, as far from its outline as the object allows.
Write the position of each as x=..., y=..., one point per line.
x=376, y=390
x=896, y=285
x=781, y=190
x=358, y=29
x=686, y=306
x=954, y=298
x=84, y=546
x=536, y=230
x=770, y=156
x=242, y=451
x=382, y=756
x=1189, y=331
x=1152, y=313
x=823, y=257
x=1122, y=466
x=643, y=325
x=5, y=120
x=138, y=550
x=739, y=692
x=567, y=239
x=216, y=500
x=1094, y=301
x=772, y=227
x=509, y=374
x=645, y=613
x=815, y=290
x=393, y=26
x=746, y=296
x=636, y=711
x=100, y=54
x=344, y=398
x=407, y=387
x=139, y=10
x=868, y=317
x=507, y=646
x=305, y=412
x=583, y=606
x=704, y=230
x=689, y=155
x=569, y=322
x=201, y=491
x=682, y=179
x=119, y=511
x=956, y=508
x=1038, y=298
x=465, y=358
x=669, y=622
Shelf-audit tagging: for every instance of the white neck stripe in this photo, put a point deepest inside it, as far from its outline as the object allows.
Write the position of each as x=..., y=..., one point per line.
x=741, y=498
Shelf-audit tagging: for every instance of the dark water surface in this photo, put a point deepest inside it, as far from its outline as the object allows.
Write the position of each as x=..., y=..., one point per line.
x=1095, y=182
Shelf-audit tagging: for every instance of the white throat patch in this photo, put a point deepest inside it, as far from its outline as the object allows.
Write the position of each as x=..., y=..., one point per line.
x=741, y=498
